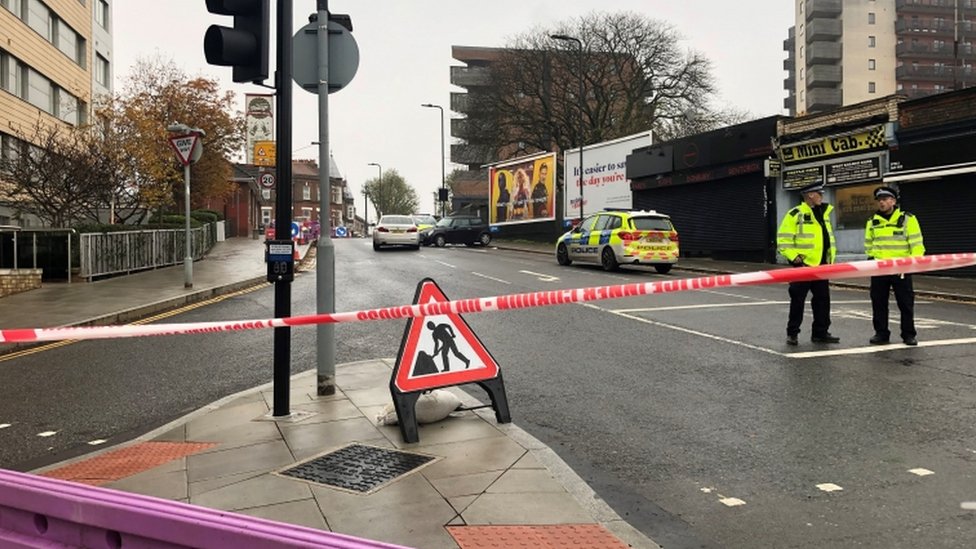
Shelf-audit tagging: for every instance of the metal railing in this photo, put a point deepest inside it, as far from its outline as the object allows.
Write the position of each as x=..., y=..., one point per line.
x=125, y=252
x=23, y=249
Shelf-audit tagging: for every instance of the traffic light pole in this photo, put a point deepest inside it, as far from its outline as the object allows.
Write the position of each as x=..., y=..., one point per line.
x=325, y=249
x=283, y=124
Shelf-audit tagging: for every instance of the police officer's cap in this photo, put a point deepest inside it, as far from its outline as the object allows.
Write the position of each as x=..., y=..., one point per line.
x=885, y=191
x=812, y=188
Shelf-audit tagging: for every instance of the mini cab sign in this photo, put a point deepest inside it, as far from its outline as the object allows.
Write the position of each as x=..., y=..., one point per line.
x=440, y=350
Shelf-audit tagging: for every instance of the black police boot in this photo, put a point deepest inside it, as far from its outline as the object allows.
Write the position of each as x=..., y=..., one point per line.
x=825, y=338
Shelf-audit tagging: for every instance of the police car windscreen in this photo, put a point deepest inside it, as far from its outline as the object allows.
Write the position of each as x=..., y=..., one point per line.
x=651, y=223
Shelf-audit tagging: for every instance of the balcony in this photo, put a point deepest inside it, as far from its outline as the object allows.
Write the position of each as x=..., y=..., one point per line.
x=789, y=64
x=823, y=76
x=927, y=73
x=823, y=52
x=926, y=6
x=470, y=77
x=926, y=27
x=789, y=83
x=823, y=30
x=823, y=8
x=465, y=153
x=459, y=102
x=929, y=50
x=823, y=99
x=789, y=103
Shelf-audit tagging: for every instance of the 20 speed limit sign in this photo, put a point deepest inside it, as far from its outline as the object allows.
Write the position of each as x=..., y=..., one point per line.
x=267, y=180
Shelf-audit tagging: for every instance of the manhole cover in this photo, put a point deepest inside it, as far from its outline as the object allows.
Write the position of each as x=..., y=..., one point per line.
x=358, y=468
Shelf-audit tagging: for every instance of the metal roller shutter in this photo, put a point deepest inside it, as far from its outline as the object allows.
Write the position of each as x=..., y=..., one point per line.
x=724, y=219
x=945, y=212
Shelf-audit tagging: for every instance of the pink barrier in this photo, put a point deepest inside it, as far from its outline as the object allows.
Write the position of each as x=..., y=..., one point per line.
x=39, y=512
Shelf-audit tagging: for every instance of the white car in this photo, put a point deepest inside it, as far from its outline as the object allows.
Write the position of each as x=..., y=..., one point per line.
x=396, y=230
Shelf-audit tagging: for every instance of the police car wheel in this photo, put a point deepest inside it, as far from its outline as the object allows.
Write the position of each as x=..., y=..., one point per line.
x=562, y=255
x=663, y=269
x=440, y=241
x=608, y=260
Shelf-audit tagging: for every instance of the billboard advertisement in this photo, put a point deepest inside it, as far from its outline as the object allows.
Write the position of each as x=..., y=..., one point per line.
x=605, y=183
x=259, y=121
x=522, y=190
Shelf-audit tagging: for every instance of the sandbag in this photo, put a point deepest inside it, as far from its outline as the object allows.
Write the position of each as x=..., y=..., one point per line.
x=431, y=407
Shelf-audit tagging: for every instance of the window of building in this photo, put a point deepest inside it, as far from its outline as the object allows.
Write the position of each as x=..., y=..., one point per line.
x=266, y=194
x=67, y=107
x=15, y=7
x=266, y=212
x=102, y=72
x=870, y=18
x=306, y=192
x=9, y=74
x=871, y=87
x=39, y=92
x=101, y=14
x=801, y=74
x=68, y=41
x=872, y=42
x=39, y=18
x=871, y=64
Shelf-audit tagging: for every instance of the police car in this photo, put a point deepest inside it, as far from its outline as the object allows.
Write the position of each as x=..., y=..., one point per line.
x=613, y=237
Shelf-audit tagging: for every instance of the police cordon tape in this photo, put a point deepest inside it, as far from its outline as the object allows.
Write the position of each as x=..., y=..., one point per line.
x=854, y=269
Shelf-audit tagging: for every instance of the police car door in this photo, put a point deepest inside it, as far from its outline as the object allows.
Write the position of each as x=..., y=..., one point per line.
x=579, y=249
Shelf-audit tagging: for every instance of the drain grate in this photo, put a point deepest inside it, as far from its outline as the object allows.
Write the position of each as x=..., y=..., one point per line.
x=358, y=468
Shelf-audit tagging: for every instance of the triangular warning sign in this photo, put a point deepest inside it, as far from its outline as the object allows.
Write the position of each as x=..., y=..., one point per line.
x=440, y=350
x=183, y=145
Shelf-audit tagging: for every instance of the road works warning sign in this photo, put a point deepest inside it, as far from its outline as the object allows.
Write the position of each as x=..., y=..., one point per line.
x=440, y=350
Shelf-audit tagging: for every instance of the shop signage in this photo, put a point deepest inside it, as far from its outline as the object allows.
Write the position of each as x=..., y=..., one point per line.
x=801, y=177
x=854, y=171
x=832, y=146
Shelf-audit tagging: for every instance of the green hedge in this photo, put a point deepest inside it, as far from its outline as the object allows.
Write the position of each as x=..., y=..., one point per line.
x=218, y=216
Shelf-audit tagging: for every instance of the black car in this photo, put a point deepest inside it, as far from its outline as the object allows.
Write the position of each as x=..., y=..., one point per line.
x=458, y=229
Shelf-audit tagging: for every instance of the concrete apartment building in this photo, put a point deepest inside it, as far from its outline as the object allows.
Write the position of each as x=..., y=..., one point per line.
x=55, y=61
x=842, y=52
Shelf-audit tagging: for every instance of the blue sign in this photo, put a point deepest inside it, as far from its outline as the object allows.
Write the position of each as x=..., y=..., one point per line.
x=296, y=229
x=341, y=231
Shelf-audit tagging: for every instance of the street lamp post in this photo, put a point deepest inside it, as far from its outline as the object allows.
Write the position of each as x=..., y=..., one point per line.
x=365, y=212
x=443, y=177
x=379, y=182
x=579, y=44
x=176, y=127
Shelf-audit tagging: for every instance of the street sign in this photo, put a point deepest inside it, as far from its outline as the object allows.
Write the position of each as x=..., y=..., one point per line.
x=265, y=153
x=183, y=145
x=440, y=350
x=296, y=229
x=267, y=180
x=343, y=57
x=341, y=232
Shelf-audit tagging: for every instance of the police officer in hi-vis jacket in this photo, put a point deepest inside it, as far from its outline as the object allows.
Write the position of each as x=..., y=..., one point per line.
x=892, y=233
x=806, y=238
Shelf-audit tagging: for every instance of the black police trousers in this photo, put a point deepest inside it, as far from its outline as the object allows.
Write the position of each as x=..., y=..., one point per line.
x=905, y=298
x=820, y=304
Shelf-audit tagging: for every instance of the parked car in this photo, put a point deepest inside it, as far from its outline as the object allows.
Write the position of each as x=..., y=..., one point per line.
x=396, y=230
x=611, y=238
x=424, y=221
x=458, y=229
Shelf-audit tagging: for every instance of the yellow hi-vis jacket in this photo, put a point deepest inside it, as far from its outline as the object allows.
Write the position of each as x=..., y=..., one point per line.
x=801, y=233
x=899, y=236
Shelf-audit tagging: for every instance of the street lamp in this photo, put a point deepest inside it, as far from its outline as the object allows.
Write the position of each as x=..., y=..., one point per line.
x=185, y=130
x=579, y=44
x=443, y=195
x=379, y=182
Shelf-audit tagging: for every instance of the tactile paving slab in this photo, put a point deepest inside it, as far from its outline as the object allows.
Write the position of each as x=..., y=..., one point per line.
x=124, y=462
x=358, y=467
x=549, y=536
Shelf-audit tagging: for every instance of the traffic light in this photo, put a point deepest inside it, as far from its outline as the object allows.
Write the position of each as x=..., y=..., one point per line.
x=244, y=47
x=442, y=194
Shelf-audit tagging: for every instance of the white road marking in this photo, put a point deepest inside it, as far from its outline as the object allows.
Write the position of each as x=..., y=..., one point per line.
x=880, y=348
x=921, y=472
x=968, y=505
x=4, y=425
x=707, y=490
x=732, y=502
x=714, y=306
x=97, y=442
x=542, y=277
x=829, y=487
x=445, y=264
x=47, y=434
x=491, y=278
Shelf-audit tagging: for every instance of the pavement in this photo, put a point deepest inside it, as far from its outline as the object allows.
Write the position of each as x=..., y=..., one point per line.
x=481, y=484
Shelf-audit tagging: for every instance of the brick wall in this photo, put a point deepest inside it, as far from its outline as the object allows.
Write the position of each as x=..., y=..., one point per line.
x=14, y=281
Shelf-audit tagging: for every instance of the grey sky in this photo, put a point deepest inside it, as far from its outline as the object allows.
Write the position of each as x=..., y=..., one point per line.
x=405, y=55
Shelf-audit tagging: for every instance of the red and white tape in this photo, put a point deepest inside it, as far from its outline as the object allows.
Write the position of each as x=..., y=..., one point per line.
x=855, y=269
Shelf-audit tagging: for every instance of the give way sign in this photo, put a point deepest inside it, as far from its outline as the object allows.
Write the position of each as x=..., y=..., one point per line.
x=183, y=145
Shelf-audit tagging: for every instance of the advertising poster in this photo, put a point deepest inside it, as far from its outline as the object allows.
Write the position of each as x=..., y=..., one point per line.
x=605, y=183
x=259, y=121
x=523, y=190
x=855, y=205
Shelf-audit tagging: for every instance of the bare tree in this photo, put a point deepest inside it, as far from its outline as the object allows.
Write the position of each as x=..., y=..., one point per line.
x=391, y=195
x=55, y=174
x=635, y=77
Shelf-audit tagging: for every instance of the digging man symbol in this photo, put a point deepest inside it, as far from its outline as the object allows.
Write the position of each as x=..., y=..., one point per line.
x=444, y=335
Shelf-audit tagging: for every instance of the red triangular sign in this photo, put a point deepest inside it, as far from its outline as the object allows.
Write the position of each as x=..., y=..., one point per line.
x=183, y=145
x=440, y=350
